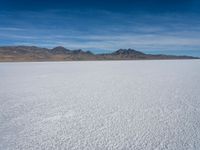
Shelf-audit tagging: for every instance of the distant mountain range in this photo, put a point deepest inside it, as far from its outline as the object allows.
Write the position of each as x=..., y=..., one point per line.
x=33, y=53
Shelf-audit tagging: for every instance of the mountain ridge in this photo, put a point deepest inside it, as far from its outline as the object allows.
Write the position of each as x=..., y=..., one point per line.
x=60, y=53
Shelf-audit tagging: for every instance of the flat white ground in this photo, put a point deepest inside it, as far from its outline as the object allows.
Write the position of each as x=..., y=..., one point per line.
x=100, y=105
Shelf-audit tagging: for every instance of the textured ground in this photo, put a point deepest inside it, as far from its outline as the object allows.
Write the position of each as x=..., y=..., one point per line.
x=100, y=105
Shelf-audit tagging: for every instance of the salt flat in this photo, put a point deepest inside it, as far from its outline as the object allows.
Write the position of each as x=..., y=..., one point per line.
x=100, y=105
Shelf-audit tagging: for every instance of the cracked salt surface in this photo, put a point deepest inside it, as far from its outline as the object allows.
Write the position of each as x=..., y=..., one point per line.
x=100, y=105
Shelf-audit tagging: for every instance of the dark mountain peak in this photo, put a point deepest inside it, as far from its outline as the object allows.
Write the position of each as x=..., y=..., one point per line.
x=80, y=51
x=59, y=50
x=89, y=52
x=77, y=51
x=127, y=52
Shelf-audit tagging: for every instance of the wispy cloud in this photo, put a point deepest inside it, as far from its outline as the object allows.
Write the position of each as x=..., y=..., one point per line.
x=11, y=29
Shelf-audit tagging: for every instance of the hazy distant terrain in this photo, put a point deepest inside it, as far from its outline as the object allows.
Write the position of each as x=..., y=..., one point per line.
x=100, y=105
x=33, y=53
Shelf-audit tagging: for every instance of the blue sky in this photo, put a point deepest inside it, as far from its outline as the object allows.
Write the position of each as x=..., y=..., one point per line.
x=152, y=26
